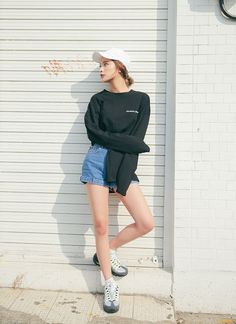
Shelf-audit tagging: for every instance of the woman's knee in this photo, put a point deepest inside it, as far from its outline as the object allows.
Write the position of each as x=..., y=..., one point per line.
x=146, y=227
x=101, y=227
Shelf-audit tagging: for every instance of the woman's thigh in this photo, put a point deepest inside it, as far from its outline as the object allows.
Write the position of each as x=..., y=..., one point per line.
x=137, y=206
x=98, y=197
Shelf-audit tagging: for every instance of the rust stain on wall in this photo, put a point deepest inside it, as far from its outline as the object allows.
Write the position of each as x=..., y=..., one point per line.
x=55, y=67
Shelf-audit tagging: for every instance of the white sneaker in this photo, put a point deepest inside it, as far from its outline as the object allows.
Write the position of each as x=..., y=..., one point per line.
x=117, y=268
x=111, y=296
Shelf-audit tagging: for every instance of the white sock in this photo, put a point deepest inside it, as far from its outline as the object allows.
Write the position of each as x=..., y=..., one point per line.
x=112, y=250
x=110, y=280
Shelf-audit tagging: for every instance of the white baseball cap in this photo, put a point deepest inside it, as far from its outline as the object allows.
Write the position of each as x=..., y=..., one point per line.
x=114, y=53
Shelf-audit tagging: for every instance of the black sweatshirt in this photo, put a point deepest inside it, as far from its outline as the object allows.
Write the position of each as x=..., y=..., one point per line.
x=118, y=121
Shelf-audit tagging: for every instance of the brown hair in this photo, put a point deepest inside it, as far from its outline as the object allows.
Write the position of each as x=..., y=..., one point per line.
x=124, y=73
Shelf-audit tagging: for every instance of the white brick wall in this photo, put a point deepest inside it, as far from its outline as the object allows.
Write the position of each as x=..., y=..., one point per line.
x=205, y=151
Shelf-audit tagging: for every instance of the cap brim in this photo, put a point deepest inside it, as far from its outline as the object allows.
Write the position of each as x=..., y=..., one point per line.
x=97, y=56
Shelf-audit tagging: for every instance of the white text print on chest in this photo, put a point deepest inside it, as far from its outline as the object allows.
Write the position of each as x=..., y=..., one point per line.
x=135, y=111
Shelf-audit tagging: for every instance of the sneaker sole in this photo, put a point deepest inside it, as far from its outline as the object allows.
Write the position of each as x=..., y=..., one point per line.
x=110, y=310
x=113, y=272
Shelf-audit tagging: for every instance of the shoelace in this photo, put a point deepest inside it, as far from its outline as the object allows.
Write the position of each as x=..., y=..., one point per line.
x=111, y=291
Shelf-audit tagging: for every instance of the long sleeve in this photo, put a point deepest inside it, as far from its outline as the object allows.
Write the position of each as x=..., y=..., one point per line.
x=132, y=143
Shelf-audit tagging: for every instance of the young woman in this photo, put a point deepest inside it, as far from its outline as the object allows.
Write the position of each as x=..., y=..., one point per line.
x=110, y=116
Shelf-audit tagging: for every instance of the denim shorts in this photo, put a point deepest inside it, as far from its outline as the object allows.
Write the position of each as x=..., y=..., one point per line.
x=93, y=168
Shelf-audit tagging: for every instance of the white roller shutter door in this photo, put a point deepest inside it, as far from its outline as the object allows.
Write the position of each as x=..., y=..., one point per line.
x=47, y=79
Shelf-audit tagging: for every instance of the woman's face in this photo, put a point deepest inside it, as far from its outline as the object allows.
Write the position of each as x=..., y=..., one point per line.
x=108, y=69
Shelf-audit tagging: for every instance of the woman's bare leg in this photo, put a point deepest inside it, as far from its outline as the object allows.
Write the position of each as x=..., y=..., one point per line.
x=137, y=206
x=98, y=197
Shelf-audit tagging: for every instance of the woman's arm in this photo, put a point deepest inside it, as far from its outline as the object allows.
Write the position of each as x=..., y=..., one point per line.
x=132, y=143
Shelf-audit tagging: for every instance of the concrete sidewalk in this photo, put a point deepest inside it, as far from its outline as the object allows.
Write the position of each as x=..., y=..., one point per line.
x=59, y=307
x=28, y=306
